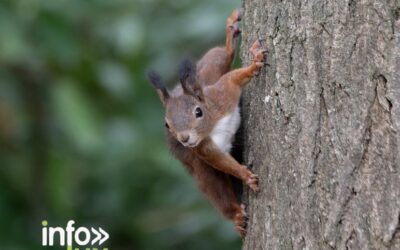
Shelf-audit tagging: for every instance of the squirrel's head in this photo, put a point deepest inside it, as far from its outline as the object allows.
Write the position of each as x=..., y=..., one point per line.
x=187, y=117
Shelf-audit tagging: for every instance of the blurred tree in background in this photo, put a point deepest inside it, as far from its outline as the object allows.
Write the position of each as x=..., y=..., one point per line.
x=81, y=130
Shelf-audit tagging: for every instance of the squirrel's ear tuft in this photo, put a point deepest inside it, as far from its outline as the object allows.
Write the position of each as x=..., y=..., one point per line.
x=159, y=85
x=187, y=72
x=188, y=79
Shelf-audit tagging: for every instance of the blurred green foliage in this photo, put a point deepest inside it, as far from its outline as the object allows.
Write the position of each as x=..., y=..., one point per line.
x=81, y=130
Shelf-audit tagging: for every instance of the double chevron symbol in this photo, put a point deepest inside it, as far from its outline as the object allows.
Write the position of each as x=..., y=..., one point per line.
x=99, y=236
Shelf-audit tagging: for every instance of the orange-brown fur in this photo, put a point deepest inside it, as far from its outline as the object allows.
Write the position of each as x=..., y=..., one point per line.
x=217, y=92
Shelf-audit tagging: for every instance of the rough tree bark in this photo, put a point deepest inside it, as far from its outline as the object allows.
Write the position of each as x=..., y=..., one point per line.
x=322, y=124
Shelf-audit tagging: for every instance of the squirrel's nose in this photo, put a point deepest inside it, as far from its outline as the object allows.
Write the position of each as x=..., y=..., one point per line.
x=184, y=138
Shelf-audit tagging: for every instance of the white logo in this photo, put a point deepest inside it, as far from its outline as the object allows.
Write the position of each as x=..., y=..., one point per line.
x=81, y=236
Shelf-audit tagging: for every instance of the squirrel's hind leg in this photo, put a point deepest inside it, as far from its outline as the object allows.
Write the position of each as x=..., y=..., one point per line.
x=243, y=75
x=232, y=30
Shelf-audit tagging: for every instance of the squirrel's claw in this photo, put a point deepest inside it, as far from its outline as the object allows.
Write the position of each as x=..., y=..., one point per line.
x=236, y=15
x=233, y=22
x=240, y=221
x=236, y=30
x=252, y=182
x=259, y=55
x=239, y=14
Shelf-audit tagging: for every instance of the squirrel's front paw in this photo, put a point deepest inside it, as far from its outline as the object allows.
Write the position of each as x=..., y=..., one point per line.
x=240, y=221
x=252, y=181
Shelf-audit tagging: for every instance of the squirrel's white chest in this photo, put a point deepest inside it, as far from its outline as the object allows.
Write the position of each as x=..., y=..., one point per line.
x=225, y=129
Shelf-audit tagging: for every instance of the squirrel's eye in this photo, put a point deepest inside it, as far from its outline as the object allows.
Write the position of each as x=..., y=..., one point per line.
x=166, y=125
x=198, y=112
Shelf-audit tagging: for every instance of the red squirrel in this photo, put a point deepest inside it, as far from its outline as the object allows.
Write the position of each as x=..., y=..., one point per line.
x=202, y=117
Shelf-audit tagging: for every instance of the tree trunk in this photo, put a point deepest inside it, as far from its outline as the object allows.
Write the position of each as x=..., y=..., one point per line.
x=322, y=124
